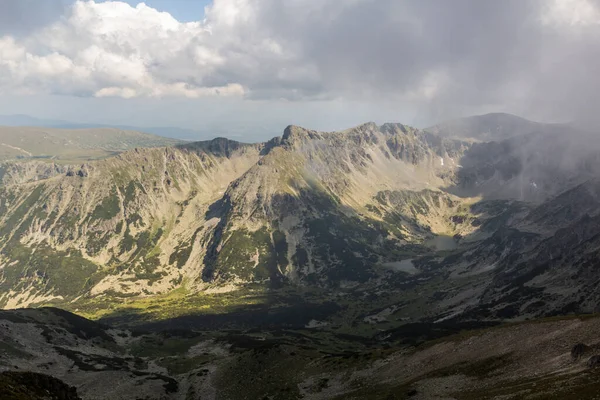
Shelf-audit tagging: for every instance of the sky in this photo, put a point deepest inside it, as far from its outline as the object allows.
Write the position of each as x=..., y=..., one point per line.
x=252, y=67
x=181, y=10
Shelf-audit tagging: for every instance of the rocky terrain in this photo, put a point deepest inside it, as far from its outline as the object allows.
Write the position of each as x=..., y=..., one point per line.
x=534, y=360
x=357, y=251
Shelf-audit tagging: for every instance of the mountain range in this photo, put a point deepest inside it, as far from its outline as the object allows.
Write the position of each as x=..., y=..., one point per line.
x=356, y=245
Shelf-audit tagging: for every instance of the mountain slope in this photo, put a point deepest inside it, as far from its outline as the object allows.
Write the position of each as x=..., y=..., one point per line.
x=531, y=167
x=306, y=207
x=353, y=254
x=114, y=224
x=306, y=210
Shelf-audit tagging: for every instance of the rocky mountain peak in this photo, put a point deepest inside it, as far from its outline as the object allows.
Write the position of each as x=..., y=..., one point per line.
x=294, y=134
x=397, y=128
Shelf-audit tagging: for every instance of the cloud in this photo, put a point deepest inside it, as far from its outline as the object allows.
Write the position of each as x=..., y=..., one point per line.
x=113, y=49
x=571, y=12
x=446, y=58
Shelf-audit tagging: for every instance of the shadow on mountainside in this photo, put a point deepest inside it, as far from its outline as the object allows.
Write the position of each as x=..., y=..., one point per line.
x=275, y=312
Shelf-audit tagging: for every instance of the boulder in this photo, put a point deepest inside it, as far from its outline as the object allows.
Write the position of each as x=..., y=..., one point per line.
x=579, y=350
x=593, y=362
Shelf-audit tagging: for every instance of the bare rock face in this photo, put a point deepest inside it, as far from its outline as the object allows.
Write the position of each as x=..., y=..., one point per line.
x=293, y=135
x=25, y=172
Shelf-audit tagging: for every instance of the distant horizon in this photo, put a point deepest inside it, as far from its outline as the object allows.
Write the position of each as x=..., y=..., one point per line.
x=187, y=134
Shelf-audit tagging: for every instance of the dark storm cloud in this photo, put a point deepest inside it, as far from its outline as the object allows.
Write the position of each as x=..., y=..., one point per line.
x=474, y=52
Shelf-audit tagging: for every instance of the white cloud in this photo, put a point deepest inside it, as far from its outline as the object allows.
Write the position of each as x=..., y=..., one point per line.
x=113, y=49
x=571, y=13
x=124, y=92
x=107, y=49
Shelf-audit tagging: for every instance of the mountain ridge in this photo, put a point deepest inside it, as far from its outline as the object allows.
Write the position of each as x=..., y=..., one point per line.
x=308, y=208
x=141, y=177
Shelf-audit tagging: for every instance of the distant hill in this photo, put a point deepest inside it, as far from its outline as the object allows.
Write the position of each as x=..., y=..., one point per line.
x=72, y=144
x=166, y=131
x=489, y=127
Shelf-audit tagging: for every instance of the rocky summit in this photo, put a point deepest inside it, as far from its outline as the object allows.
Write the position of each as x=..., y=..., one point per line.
x=390, y=262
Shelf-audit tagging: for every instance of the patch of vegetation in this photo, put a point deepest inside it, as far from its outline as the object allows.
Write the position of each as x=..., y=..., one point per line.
x=177, y=303
x=147, y=270
x=128, y=241
x=248, y=255
x=165, y=344
x=134, y=219
x=108, y=208
x=96, y=242
x=578, y=386
x=262, y=374
x=77, y=325
x=347, y=246
x=10, y=350
x=65, y=273
x=300, y=258
x=281, y=248
x=68, y=224
x=143, y=243
x=181, y=254
x=181, y=365
x=7, y=198
x=479, y=369
x=130, y=192
x=372, y=208
x=17, y=217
